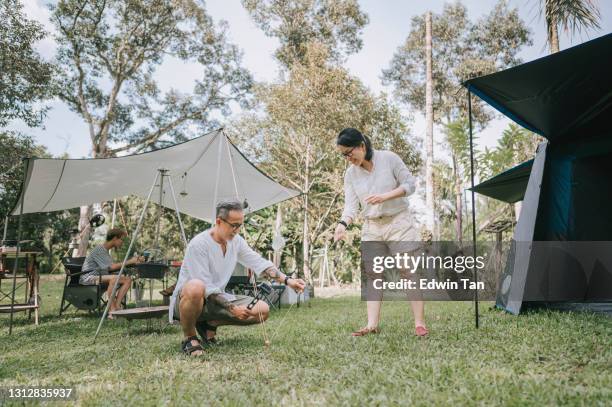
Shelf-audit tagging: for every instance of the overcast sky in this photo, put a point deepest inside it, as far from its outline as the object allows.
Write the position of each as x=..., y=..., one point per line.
x=65, y=132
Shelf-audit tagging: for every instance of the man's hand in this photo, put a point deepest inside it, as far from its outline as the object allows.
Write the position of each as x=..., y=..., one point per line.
x=297, y=284
x=240, y=312
x=376, y=199
x=135, y=260
x=340, y=233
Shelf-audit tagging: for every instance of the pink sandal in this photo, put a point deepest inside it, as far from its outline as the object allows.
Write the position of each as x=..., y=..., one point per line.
x=421, y=331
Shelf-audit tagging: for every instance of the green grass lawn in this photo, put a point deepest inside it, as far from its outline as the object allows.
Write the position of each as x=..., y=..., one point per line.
x=546, y=358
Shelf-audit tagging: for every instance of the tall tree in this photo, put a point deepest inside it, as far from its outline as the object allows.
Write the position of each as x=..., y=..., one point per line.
x=429, y=136
x=24, y=75
x=295, y=140
x=458, y=143
x=108, y=52
x=296, y=23
x=572, y=15
x=461, y=49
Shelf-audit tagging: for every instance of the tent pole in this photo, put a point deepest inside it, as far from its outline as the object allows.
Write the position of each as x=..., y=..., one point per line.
x=178, y=213
x=114, y=213
x=17, y=251
x=215, y=196
x=231, y=162
x=127, y=253
x=162, y=172
x=475, y=271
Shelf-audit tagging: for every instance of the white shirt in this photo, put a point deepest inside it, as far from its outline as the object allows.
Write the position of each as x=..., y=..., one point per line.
x=388, y=172
x=205, y=261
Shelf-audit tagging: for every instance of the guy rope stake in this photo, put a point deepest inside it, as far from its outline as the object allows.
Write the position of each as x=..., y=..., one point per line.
x=280, y=324
x=261, y=320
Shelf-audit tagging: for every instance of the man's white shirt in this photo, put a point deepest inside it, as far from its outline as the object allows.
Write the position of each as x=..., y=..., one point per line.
x=204, y=260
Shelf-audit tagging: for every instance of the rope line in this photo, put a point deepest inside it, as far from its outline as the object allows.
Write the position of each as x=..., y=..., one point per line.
x=261, y=320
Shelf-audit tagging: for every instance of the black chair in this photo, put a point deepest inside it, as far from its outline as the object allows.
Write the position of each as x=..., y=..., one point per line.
x=85, y=297
x=271, y=294
x=241, y=283
x=238, y=285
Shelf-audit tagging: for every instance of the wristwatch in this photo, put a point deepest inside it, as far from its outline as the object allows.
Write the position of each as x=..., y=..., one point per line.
x=287, y=279
x=341, y=222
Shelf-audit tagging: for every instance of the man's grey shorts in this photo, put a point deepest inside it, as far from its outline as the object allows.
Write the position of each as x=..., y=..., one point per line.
x=213, y=312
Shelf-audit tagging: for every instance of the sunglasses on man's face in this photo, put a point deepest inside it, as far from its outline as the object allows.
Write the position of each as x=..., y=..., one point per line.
x=235, y=226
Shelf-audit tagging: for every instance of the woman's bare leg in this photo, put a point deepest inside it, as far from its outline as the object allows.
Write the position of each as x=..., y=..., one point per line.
x=374, y=313
x=418, y=311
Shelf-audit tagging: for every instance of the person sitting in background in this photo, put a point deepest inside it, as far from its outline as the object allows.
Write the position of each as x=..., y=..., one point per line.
x=99, y=263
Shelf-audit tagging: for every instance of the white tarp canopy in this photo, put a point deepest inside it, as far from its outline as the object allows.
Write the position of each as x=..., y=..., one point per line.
x=204, y=171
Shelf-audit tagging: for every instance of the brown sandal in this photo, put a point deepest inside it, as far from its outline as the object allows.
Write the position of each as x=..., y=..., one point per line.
x=366, y=331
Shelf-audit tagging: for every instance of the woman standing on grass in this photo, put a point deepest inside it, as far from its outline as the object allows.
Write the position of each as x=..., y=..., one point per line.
x=379, y=181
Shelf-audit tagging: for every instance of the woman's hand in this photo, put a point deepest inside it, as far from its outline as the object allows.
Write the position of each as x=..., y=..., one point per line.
x=376, y=199
x=340, y=233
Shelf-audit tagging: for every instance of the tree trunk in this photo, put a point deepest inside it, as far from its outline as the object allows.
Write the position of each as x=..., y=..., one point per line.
x=84, y=231
x=305, y=234
x=458, y=206
x=277, y=228
x=429, y=186
x=98, y=150
x=553, y=35
x=459, y=210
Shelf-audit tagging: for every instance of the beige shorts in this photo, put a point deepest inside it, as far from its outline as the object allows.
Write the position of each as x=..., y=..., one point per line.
x=386, y=236
x=395, y=228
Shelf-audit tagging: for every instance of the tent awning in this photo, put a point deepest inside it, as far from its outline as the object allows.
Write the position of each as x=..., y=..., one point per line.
x=508, y=186
x=204, y=171
x=564, y=95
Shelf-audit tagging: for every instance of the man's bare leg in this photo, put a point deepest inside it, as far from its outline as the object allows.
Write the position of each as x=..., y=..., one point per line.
x=124, y=286
x=125, y=282
x=110, y=280
x=191, y=303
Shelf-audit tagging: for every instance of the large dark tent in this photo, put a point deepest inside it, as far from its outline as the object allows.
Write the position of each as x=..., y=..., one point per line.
x=561, y=251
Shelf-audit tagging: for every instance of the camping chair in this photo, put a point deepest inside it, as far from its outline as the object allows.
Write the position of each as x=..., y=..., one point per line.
x=86, y=297
x=239, y=282
x=270, y=293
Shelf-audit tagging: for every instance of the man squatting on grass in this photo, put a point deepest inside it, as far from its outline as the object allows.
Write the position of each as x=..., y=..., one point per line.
x=199, y=300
